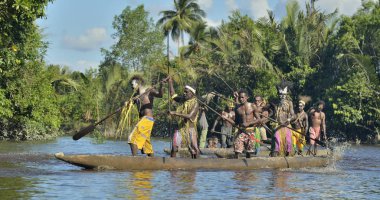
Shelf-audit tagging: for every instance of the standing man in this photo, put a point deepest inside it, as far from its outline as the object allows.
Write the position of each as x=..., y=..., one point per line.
x=246, y=117
x=301, y=125
x=318, y=125
x=226, y=130
x=187, y=115
x=139, y=139
x=284, y=115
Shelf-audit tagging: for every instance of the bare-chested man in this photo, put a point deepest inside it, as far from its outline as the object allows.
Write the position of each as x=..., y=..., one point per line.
x=187, y=117
x=139, y=139
x=284, y=115
x=246, y=117
x=226, y=130
x=301, y=125
x=318, y=125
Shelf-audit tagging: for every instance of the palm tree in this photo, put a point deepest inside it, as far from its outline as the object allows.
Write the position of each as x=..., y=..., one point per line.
x=310, y=30
x=181, y=19
x=199, y=35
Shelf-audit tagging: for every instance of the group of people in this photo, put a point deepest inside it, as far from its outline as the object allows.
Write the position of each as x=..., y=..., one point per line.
x=250, y=120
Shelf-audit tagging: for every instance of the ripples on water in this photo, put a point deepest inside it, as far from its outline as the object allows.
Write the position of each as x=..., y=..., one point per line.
x=29, y=171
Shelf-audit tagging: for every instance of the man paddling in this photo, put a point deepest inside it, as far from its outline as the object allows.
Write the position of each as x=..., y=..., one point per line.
x=187, y=115
x=139, y=139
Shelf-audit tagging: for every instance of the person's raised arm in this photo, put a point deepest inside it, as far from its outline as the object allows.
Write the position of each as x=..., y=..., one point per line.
x=171, y=88
x=236, y=97
x=158, y=92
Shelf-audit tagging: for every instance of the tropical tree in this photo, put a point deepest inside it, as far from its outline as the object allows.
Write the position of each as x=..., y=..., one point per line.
x=181, y=19
x=199, y=35
x=29, y=105
x=139, y=42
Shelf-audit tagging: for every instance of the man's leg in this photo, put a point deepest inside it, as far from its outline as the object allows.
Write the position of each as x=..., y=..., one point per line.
x=173, y=153
x=224, y=141
x=247, y=155
x=134, y=149
x=239, y=145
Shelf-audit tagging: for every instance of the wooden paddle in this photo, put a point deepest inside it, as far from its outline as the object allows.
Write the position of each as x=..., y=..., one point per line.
x=91, y=127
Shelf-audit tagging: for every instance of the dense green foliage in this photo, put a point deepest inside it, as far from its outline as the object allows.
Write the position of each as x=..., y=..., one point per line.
x=29, y=109
x=326, y=56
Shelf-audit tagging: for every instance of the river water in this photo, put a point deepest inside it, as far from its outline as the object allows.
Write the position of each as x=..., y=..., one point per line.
x=28, y=170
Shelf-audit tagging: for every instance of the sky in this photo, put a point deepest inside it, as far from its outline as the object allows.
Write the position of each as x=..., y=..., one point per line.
x=76, y=30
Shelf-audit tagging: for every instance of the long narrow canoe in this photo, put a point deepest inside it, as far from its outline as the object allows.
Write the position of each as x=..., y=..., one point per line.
x=120, y=162
x=229, y=152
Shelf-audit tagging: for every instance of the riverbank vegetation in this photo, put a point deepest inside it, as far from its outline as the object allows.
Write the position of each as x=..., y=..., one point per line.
x=326, y=56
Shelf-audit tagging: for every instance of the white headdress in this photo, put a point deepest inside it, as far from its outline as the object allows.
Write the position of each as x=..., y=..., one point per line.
x=283, y=90
x=190, y=88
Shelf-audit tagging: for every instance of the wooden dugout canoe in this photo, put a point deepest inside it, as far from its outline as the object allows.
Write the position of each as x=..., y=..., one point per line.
x=229, y=152
x=120, y=162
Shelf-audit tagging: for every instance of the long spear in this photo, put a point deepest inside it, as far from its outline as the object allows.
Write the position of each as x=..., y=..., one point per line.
x=169, y=102
x=234, y=125
x=295, y=130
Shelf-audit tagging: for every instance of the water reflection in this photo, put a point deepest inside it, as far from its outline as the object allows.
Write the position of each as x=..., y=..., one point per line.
x=284, y=183
x=184, y=181
x=245, y=180
x=15, y=188
x=141, y=185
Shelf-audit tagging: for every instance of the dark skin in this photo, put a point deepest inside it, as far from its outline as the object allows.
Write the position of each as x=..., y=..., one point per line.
x=318, y=119
x=247, y=112
x=301, y=122
x=260, y=107
x=147, y=97
x=227, y=113
x=187, y=95
x=302, y=119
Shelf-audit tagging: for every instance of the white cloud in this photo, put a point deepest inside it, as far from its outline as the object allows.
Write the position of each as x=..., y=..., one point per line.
x=346, y=7
x=213, y=23
x=231, y=5
x=90, y=40
x=205, y=4
x=259, y=8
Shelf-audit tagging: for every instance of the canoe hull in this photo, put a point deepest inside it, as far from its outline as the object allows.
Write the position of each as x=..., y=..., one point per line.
x=229, y=152
x=119, y=162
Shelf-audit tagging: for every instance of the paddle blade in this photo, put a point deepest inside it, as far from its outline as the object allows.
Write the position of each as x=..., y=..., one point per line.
x=84, y=132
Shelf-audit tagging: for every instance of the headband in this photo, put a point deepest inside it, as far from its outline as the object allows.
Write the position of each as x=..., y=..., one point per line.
x=190, y=88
